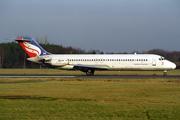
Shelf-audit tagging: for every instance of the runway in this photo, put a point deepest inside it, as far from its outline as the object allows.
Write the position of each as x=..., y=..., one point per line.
x=92, y=77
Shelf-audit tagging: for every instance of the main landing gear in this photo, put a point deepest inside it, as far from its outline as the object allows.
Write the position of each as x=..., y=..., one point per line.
x=90, y=72
x=84, y=69
x=165, y=73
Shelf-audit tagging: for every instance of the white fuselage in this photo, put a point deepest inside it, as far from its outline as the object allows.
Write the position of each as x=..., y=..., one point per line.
x=110, y=61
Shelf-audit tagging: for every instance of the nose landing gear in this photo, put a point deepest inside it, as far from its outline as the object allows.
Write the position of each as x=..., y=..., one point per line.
x=165, y=73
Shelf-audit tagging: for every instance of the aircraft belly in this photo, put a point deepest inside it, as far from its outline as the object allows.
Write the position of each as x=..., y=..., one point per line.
x=134, y=66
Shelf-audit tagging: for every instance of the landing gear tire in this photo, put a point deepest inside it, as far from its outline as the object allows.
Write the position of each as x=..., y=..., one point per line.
x=90, y=72
x=165, y=73
x=87, y=73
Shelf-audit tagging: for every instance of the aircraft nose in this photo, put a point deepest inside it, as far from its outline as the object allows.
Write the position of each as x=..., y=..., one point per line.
x=173, y=66
x=170, y=65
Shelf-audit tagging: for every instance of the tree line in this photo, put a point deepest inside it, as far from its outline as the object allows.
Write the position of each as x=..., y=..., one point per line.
x=12, y=54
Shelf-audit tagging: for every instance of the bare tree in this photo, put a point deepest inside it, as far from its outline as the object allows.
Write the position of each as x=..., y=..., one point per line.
x=37, y=40
x=46, y=40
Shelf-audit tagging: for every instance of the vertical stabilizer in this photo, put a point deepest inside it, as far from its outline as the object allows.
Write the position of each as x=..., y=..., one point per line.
x=31, y=47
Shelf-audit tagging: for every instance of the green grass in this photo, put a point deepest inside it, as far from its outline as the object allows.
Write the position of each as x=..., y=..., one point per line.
x=65, y=72
x=60, y=98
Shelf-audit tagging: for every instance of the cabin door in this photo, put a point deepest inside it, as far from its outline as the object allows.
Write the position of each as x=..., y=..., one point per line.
x=153, y=62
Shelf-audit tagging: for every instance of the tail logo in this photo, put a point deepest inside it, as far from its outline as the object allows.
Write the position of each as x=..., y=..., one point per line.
x=31, y=47
x=31, y=50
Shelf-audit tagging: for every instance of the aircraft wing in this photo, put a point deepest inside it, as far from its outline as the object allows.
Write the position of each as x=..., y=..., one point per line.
x=91, y=67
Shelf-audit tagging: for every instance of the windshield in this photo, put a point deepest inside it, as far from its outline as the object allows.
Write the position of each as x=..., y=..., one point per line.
x=162, y=58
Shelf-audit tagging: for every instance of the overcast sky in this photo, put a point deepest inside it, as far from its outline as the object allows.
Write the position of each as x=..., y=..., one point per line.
x=105, y=25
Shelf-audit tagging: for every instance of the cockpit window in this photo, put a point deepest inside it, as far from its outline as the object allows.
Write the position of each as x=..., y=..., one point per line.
x=162, y=58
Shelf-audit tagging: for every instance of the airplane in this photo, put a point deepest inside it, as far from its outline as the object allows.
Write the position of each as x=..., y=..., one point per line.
x=89, y=63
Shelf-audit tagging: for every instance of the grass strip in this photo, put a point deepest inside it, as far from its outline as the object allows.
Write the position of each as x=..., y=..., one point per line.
x=3, y=80
x=83, y=99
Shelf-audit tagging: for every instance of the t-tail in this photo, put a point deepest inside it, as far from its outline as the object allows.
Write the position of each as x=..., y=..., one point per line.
x=31, y=47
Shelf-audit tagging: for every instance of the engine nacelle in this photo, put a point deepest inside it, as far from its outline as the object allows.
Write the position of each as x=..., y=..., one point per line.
x=58, y=62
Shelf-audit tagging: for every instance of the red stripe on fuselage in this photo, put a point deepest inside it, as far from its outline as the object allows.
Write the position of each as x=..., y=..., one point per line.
x=30, y=54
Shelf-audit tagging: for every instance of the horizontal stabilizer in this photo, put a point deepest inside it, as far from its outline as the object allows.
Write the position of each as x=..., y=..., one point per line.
x=23, y=40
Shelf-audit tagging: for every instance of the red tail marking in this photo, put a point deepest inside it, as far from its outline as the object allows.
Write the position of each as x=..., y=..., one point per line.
x=19, y=38
x=29, y=53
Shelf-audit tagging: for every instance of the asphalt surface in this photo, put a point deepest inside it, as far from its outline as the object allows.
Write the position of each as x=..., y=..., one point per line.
x=91, y=77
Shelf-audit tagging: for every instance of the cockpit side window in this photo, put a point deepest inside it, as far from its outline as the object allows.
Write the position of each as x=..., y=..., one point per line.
x=162, y=58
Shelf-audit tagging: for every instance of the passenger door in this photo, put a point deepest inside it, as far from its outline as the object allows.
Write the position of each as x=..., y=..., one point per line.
x=153, y=62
